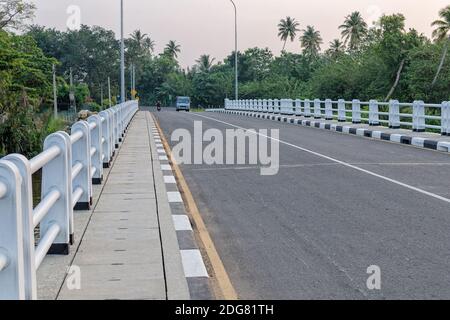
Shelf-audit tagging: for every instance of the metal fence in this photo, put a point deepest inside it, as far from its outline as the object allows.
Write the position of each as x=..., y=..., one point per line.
x=70, y=165
x=418, y=116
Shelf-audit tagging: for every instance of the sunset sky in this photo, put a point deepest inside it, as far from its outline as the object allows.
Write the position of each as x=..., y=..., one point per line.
x=207, y=26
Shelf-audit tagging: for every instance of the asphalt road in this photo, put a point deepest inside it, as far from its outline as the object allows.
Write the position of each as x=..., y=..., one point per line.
x=339, y=204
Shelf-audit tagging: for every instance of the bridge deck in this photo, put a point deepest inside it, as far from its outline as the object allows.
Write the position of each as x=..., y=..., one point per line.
x=120, y=255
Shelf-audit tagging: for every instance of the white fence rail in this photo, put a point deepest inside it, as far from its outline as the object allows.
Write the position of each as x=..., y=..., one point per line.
x=418, y=116
x=70, y=165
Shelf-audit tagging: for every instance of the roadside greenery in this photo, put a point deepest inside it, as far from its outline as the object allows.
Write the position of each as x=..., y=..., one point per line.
x=384, y=61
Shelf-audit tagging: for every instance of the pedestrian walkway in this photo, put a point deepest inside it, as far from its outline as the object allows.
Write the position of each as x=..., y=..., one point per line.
x=129, y=248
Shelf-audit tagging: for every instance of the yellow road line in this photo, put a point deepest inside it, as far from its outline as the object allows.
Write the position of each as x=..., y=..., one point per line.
x=227, y=290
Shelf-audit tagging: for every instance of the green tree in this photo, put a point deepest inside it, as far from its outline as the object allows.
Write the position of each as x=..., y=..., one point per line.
x=13, y=13
x=337, y=48
x=311, y=41
x=25, y=83
x=205, y=63
x=441, y=34
x=172, y=49
x=353, y=30
x=287, y=29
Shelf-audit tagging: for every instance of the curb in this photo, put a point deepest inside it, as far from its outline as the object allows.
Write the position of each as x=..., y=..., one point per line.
x=194, y=268
x=176, y=282
x=443, y=146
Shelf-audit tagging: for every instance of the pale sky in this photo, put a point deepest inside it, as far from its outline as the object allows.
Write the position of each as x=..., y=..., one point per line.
x=207, y=26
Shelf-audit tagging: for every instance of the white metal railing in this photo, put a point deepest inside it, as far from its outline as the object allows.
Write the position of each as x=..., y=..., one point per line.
x=70, y=165
x=417, y=116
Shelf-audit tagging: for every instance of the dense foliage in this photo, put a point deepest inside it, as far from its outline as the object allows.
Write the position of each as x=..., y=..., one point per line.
x=382, y=62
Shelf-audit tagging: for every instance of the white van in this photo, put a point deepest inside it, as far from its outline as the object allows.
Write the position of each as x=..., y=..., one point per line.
x=183, y=103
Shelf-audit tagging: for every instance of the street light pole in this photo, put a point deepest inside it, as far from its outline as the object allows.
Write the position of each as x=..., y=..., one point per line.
x=122, y=56
x=236, y=51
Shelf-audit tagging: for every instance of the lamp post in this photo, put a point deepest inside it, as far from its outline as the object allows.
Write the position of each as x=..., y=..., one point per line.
x=122, y=56
x=236, y=51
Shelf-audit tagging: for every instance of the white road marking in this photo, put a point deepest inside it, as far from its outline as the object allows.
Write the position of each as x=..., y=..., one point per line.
x=174, y=197
x=181, y=223
x=169, y=179
x=159, y=145
x=161, y=151
x=166, y=167
x=348, y=165
x=163, y=158
x=193, y=264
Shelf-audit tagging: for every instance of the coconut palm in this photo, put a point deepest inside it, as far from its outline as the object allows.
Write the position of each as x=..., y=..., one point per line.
x=205, y=63
x=287, y=29
x=353, y=30
x=141, y=40
x=311, y=41
x=441, y=33
x=172, y=49
x=337, y=47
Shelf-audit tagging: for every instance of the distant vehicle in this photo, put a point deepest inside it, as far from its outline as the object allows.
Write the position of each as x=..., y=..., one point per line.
x=183, y=103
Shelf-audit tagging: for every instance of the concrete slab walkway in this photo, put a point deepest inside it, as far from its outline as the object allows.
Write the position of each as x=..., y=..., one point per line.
x=128, y=249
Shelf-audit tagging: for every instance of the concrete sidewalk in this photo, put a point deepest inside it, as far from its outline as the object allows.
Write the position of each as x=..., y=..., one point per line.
x=128, y=248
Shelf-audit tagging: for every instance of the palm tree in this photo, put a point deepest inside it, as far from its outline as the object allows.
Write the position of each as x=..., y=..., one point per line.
x=311, y=41
x=337, y=47
x=353, y=30
x=142, y=41
x=205, y=63
x=287, y=29
x=172, y=49
x=441, y=33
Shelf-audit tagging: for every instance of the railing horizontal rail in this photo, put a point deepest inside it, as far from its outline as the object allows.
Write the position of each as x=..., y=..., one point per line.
x=3, y=261
x=44, y=206
x=43, y=158
x=45, y=244
x=3, y=190
x=70, y=165
x=418, y=116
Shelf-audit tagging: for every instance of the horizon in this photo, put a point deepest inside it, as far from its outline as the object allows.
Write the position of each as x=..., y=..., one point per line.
x=187, y=17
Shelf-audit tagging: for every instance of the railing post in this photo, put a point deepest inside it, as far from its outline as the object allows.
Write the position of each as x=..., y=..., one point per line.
x=342, y=114
x=445, y=118
x=227, y=106
x=317, y=111
x=307, y=107
x=298, y=107
x=419, y=116
x=111, y=132
x=264, y=105
x=276, y=106
x=289, y=107
x=356, y=111
x=270, y=106
x=394, y=114
x=23, y=165
x=55, y=176
x=96, y=151
x=260, y=105
x=328, y=109
x=81, y=154
x=12, y=276
x=374, y=119
x=116, y=127
x=106, y=145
